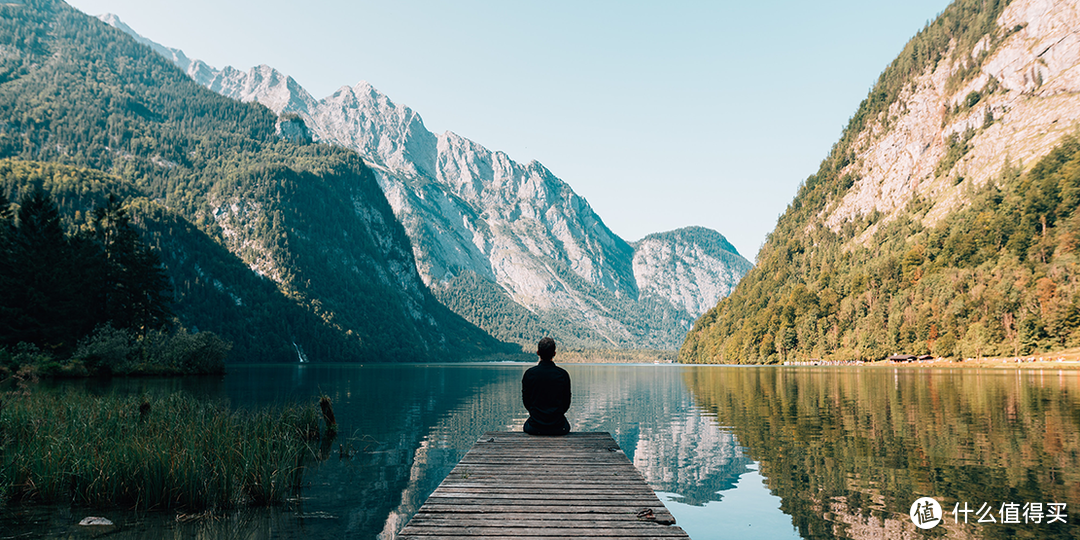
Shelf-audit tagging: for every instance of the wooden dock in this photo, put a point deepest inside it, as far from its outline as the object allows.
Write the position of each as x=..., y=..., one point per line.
x=514, y=485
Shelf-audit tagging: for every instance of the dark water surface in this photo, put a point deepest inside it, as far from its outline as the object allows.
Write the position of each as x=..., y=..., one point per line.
x=734, y=452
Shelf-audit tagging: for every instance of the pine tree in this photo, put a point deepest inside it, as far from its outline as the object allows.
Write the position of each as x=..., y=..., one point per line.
x=7, y=270
x=137, y=291
x=46, y=290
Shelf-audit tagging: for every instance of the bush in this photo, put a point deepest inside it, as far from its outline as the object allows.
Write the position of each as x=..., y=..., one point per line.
x=118, y=351
x=108, y=349
x=184, y=352
x=7, y=363
x=28, y=354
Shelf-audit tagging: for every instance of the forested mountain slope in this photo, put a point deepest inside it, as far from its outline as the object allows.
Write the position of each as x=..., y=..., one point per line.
x=509, y=246
x=310, y=219
x=944, y=220
x=212, y=288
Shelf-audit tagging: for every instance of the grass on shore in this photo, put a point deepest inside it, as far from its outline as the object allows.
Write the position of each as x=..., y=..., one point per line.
x=144, y=453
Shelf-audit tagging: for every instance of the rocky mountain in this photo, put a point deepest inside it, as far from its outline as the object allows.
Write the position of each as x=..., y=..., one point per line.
x=509, y=246
x=943, y=220
x=688, y=267
x=327, y=271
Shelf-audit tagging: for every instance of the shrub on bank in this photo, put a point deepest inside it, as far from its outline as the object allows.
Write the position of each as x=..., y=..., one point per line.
x=117, y=351
x=167, y=452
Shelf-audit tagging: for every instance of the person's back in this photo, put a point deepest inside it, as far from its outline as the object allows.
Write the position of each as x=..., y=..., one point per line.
x=545, y=391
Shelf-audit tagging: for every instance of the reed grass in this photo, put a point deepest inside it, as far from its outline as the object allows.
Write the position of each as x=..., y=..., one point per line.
x=172, y=451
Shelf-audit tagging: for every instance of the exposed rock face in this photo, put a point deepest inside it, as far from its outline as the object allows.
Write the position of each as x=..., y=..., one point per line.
x=1027, y=100
x=292, y=128
x=693, y=268
x=868, y=258
x=470, y=209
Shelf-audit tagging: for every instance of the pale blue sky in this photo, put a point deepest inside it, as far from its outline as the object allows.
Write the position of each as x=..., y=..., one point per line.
x=661, y=114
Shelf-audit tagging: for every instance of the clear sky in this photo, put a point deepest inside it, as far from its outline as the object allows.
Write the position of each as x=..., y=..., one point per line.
x=662, y=114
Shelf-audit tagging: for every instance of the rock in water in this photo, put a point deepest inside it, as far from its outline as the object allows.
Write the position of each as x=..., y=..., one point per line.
x=92, y=521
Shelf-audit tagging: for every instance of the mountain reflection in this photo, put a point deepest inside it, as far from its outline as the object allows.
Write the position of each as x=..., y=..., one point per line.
x=652, y=416
x=646, y=408
x=849, y=450
x=844, y=452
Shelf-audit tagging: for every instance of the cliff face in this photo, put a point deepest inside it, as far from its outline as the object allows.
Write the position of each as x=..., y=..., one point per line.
x=942, y=221
x=468, y=209
x=688, y=267
x=1015, y=108
x=477, y=219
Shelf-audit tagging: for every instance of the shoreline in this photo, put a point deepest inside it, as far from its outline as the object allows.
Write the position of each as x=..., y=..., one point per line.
x=1062, y=359
x=944, y=363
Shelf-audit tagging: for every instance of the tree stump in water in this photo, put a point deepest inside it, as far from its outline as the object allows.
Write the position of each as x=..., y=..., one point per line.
x=328, y=416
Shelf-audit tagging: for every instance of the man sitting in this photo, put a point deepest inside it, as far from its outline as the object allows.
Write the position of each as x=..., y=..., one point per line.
x=545, y=390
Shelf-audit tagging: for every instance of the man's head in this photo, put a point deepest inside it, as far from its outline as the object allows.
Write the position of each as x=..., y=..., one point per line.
x=546, y=348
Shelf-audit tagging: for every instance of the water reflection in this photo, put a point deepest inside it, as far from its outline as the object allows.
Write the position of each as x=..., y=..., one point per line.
x=646, y=408
x=654, y=419
x=824, y=452
x=849, y=450
x=409, y=426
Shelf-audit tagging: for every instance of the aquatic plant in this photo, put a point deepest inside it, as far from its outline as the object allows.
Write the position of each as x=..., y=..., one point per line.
x=149, y=452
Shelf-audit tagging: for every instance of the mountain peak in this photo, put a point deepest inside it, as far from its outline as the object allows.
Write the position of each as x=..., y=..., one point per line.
x=175, y=55
x=483, y=225
x=692, y=267
x=707, y=238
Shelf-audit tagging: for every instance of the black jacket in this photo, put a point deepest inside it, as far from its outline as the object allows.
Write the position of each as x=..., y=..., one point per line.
x=545, y=391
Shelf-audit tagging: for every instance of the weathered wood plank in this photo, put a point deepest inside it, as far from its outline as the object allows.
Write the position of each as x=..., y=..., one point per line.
x=570, y=484
x=474, y=507
x=546, y=492
x=536, y=537
x=583, y=520
x=561, y=532
x=514, y=485
x=610, y=469
x=640, y=502
x=616, y=487
x=562, y=477
x=525, y=519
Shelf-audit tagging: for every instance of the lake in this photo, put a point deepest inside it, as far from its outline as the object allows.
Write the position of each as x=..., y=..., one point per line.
x=746, y=452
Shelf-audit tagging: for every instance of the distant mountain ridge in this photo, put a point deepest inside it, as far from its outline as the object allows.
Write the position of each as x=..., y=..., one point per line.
x=477, y=218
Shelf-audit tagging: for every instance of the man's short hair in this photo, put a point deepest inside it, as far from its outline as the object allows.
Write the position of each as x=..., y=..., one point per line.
x=546, y=348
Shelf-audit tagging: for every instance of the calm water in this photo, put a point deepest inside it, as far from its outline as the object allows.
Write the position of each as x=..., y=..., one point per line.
x=734, y=452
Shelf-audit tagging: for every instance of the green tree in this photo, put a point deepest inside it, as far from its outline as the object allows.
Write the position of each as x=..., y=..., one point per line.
x=1030, y=333
x=137, y=290
x=945, y=346
x=975, y=341
x=8, y=311
x=48, y=301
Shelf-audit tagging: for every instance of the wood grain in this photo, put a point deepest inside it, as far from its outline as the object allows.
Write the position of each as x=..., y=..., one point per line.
x=514, y=485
